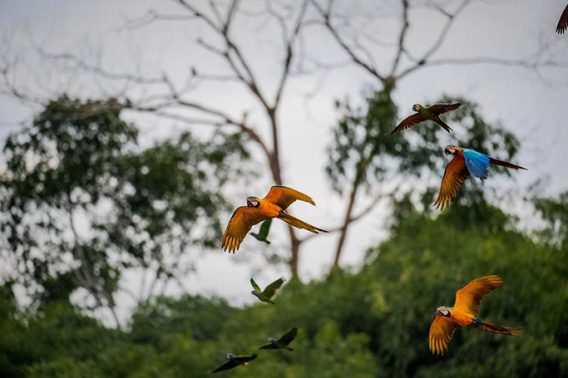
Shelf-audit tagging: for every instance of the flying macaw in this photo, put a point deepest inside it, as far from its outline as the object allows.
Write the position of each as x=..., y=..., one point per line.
x=269, y=291
x=263, y=232
x=422, y=114
x=283, y=342
x=464, y=163
x=274, y=205
x=464, y=314
x=563, y=22
x=234, y=361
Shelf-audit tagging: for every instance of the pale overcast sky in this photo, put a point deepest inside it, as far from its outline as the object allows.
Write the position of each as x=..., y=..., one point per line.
x=532, y=106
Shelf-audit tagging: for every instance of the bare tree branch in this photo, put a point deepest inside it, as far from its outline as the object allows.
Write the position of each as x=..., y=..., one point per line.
x=451, y=17
x=326, y=14
x=401, y=37
x=355, y=218
x=152, y=16
x=288, y=46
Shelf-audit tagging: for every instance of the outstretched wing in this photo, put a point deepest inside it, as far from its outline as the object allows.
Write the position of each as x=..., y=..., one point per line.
x=408, y=122
x=268, y=346
x=284, y=196
x=563, y=22
x=234, y=362
x=240, y=224
x=271, y=289
x=470, y=295
x=254, y=285
x=227, y=365
x=476, y=162
x=264, y=229
x=441, y=331
x=438, y=109
x=454, y=176
x=288, y=337
x=244, y=359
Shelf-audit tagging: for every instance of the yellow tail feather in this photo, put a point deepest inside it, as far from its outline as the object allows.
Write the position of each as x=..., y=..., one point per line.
x=300, y=224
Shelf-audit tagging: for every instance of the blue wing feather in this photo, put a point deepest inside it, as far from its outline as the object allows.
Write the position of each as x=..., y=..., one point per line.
x=476, y=162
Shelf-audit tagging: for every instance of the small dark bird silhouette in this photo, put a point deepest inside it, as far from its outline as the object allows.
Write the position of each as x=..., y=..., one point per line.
x=234, y=361
x=283, y=342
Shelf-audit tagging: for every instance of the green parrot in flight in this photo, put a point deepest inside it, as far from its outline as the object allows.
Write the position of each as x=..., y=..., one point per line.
x=263, y=231
x=234, y=361
x=422, y=114
x=266, y=294
x=283, y=342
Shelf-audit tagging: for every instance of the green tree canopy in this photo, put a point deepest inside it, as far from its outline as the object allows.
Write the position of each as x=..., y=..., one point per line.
x=82, y=201
x=370, y=323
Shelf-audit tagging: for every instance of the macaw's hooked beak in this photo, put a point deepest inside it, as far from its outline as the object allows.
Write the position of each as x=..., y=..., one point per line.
x=252, y=202
x=442, y=311
x=450, y=150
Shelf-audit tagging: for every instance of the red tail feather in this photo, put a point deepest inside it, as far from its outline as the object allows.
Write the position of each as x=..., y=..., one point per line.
x=505, y=164
x=494, y=328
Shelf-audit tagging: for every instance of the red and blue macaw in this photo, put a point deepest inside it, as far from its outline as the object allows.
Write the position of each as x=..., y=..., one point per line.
x=465, y=162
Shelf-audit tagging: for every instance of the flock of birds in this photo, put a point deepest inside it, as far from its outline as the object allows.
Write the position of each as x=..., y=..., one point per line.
x=446, y=320
x=465, y=162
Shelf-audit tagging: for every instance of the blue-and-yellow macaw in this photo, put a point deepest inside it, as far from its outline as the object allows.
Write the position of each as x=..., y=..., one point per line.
x=464, y=314
x=273, y=205
x=464, y=163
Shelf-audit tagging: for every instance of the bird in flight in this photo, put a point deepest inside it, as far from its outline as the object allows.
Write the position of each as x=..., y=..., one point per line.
x=464, y=163
x=422, y=114
x=263, y=232
x=234, y=361
x=274, y=205
x=269, y=292
x=283, y=342
x=464, y=314
x=563, y=22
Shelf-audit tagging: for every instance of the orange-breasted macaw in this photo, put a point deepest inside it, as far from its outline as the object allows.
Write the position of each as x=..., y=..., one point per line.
x=422, y=114
x=464, y=314
x=464, y=163
x=274, y=205
x=563, y=22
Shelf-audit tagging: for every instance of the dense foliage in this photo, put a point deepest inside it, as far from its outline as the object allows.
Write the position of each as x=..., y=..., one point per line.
x=371, y=323
x=82, y=199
